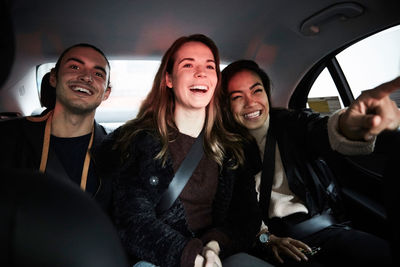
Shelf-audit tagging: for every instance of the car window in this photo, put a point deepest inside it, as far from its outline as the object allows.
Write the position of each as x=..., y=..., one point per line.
x=324, y=96
x=365, y=64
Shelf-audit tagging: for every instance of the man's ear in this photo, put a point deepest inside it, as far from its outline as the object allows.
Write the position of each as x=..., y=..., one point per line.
x=53, y=78
x=168, y=80
x=107, y=93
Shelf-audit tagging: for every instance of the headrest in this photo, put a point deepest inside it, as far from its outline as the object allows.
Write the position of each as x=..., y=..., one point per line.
x=47, y=93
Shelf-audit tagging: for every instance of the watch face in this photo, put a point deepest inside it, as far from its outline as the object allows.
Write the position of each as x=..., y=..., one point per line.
x=264, y=238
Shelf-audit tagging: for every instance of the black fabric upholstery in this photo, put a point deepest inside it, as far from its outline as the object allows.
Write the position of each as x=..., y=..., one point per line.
x=48, y=222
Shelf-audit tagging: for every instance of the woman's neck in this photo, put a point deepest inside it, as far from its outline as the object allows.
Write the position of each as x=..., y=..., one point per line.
x=260, y=133
x=190, y=122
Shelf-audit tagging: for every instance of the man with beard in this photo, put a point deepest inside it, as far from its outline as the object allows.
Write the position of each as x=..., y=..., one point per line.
x=59, y=142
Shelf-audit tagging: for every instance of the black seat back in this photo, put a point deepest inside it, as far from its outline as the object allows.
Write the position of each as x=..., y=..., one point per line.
x=49, y=222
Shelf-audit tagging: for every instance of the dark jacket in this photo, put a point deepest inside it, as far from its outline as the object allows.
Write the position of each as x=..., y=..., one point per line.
x=139, y=183
x=21, y=142
x=302, y=138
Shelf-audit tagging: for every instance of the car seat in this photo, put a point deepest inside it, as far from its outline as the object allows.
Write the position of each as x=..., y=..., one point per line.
x=48, y=222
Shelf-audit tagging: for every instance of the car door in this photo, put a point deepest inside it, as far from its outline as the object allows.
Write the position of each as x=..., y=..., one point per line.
x=333, y=83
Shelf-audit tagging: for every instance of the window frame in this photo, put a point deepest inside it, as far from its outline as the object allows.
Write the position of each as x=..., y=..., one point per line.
x=299, y=98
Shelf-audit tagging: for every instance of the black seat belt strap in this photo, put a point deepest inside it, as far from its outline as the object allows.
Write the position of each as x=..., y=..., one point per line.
x=267, y=174
x=182, y=175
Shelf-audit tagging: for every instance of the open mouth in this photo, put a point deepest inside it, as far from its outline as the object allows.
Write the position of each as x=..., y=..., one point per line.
x=82, y=90
x=199, y=88
x=252, y=115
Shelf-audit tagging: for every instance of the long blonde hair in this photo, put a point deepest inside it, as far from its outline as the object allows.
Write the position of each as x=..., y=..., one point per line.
x=156, y=112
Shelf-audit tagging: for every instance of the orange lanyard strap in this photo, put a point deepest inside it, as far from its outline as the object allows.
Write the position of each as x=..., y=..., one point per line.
x=46, y=143
x=45, y=152
x=86, y=164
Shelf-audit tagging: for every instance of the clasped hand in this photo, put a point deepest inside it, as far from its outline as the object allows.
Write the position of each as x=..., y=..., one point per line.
x=209, y=256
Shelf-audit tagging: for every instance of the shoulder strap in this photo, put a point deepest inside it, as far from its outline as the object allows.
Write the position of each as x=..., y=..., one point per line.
x=267, y=174
x=182, y=176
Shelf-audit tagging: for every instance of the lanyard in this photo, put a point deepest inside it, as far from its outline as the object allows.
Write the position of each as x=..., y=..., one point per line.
x=45, y=152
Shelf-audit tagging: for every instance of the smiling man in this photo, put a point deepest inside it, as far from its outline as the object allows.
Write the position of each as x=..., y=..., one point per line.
x=59, y=142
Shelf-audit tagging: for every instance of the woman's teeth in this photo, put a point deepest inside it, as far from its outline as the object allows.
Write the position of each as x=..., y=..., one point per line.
x=202, y=88
x=252, y=114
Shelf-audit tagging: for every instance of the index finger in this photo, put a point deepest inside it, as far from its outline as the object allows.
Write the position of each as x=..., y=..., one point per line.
x=385, y=89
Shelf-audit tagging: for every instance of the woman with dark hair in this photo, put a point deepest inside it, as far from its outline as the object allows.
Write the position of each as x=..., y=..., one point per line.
x=295, y=194
x=209, y=220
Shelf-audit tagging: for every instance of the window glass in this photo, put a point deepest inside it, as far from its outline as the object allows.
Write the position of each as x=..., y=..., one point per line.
x=324, y=96
x=365, y=64
x=372, y=61
x=130, y=82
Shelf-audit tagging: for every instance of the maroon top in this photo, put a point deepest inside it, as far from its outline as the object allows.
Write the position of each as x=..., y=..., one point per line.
x=197, y=196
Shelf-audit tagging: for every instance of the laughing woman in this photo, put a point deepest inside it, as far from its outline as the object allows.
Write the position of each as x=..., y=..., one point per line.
x=206, y=223
x=297, y=196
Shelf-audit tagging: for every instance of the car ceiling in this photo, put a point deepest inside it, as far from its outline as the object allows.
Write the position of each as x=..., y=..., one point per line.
x=267, y=31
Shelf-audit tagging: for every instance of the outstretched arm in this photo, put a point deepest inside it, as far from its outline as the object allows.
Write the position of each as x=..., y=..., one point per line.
x=371, y=113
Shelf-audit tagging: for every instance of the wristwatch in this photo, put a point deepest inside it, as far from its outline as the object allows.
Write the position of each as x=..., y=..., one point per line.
x=264, y=237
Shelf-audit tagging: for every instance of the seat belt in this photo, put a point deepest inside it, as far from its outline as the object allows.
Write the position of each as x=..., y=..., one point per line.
x=182, y=175
x=267, y=174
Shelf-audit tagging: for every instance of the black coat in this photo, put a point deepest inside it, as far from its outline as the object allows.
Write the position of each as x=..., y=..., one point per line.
x=302, y=138
x=161, y=238
x=21, y=142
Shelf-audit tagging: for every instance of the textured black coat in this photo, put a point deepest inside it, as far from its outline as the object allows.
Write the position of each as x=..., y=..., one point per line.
x=161, y=238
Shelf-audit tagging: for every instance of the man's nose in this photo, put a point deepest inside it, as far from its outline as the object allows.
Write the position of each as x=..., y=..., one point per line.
x=86, y=76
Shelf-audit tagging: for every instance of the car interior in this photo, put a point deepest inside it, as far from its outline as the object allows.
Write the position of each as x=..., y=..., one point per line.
x=318, y=54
